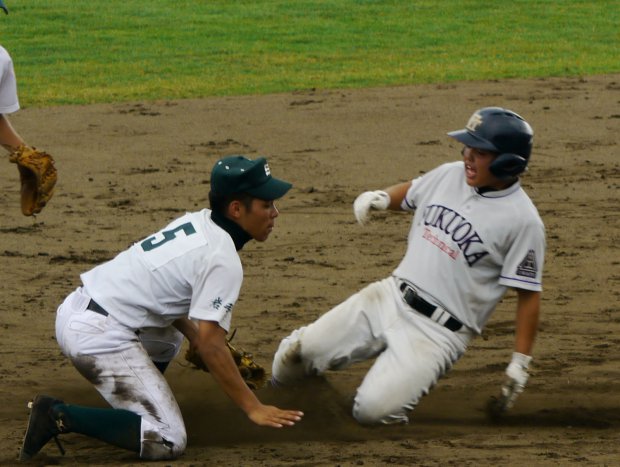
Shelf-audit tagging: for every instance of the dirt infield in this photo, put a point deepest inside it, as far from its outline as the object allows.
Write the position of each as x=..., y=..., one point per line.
x=127, y=169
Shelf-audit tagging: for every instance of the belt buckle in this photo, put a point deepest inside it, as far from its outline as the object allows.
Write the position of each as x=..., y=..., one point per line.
x=408, y=293
x=438, y=315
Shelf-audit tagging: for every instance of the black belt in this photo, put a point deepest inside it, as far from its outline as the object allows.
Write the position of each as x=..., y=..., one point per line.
x=427, y=309
x=94, y=306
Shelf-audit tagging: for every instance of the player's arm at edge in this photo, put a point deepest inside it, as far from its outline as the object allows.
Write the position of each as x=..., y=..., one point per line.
x=9, y=138
x=209, y=339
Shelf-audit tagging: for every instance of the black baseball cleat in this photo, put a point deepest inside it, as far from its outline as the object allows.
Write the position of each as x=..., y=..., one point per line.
x=42, y=426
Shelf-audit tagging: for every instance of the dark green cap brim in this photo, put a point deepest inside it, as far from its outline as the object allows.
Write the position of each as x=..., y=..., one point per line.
x=273, y=189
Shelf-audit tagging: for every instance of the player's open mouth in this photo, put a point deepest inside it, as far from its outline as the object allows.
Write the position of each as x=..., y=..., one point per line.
x=470, y=172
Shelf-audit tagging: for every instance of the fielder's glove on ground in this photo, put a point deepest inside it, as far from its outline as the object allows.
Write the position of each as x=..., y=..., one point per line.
x=38, y=177
x=252, y=373
x=367, y=200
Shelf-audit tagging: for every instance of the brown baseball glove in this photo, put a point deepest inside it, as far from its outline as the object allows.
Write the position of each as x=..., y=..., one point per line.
x=37, y=175
x=252, y=373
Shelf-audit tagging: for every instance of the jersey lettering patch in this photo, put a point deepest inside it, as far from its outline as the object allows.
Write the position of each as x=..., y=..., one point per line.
x=527, y=267
x=458, y=229
x=451, y=252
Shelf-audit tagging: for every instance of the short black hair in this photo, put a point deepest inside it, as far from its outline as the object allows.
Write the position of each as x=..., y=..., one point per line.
x=219, y=203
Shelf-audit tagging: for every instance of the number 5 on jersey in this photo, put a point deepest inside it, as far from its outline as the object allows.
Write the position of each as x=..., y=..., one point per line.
x=151, y=243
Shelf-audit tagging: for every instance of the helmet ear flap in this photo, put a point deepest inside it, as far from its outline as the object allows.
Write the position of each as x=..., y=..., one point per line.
x=508, y=165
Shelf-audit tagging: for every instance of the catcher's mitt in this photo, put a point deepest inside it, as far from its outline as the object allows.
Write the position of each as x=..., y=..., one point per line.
x=252, y=373
x=38, y=177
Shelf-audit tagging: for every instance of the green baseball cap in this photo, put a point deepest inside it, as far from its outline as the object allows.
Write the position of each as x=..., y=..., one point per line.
x=238, y=174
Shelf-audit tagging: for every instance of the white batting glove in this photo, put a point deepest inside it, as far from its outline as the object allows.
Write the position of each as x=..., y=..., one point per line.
x=370, y=199
x=517, y=377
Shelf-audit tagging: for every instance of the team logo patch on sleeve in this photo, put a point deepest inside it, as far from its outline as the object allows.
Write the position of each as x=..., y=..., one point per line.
x=528, y=267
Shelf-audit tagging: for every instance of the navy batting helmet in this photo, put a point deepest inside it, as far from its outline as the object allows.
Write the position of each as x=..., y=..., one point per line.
x=500, y=131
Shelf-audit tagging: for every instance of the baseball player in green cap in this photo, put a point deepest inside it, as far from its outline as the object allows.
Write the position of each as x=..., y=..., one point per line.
x=126, y=321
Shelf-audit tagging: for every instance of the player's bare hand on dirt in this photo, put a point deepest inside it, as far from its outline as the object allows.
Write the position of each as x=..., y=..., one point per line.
x=268, y=415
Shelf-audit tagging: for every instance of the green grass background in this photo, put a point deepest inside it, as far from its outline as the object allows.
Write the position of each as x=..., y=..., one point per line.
x=86, y=51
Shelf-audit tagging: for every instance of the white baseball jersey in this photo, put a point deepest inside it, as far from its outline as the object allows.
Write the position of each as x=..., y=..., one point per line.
x=9, y=102
x=189, y=268
x=466, y=248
